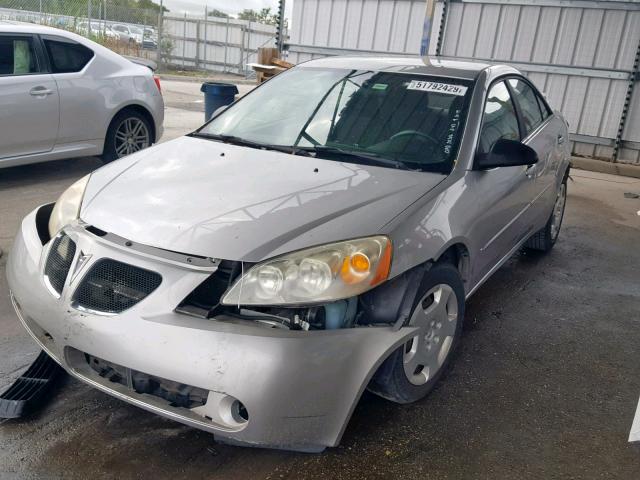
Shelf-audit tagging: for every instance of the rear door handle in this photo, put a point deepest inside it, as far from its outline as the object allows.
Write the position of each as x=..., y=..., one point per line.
x=40, y=91
x=560, y=139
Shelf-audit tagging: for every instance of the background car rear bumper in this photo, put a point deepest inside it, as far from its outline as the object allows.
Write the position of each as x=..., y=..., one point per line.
x=298, y=387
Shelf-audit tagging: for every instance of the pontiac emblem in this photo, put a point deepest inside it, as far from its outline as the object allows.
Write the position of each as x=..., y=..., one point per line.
x=83, y=258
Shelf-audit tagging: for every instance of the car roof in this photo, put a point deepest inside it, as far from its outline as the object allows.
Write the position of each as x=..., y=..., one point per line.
x=428, y=65
x=9, y=26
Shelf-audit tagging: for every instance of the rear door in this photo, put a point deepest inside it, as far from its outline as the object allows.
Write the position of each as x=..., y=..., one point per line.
x=542, y=132
x=82, y=102
x=29, y=100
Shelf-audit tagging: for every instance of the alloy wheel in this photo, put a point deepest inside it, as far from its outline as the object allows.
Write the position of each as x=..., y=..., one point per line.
x=436, y=315
x=132, y=135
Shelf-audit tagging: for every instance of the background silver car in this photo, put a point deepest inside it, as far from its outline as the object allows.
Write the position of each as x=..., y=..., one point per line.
x=317, y=238
x=62, y=96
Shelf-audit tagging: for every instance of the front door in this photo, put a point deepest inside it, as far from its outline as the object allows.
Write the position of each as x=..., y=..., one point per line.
x=503, y=192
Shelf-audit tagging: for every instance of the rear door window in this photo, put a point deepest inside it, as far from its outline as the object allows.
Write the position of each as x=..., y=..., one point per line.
x=499, y=120
x=66, y=56
x=17, y=55
x=528, y=103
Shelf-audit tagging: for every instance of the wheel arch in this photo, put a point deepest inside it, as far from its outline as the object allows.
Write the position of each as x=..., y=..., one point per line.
x=393, y=300
x=457, y=253
x=140, y=109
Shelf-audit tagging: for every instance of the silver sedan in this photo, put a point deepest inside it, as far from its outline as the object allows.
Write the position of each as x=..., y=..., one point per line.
x=62, y=96
x=317, y=238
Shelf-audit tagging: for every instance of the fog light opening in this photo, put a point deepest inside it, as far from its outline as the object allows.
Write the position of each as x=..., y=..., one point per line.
x=239, y=412
x=233, y=412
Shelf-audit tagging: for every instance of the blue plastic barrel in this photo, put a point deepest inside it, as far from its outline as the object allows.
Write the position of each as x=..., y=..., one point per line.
x=217, y=95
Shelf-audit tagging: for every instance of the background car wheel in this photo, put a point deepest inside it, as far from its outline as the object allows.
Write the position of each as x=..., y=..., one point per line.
x=545, y=239
x=128, y=133
x=412, y=371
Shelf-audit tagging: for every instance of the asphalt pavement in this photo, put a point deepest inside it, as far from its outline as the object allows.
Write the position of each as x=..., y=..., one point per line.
x=545, y=384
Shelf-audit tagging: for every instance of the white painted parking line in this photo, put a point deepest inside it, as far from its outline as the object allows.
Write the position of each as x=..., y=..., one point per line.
x=634, y=436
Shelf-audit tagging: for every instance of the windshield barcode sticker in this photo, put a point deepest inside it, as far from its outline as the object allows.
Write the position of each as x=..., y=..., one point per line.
x=437, y=87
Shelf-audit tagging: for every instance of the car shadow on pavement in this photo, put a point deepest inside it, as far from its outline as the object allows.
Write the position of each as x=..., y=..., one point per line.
x=46, y=172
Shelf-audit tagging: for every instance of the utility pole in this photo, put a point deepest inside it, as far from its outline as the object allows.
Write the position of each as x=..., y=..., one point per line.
x=160, y=42
x=428, y=27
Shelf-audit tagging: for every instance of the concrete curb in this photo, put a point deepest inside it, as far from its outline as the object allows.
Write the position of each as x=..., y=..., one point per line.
x=185, y=78
x=602, y=166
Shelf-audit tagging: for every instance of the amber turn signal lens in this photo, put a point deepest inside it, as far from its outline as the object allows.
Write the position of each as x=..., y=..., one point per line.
x=384, y=265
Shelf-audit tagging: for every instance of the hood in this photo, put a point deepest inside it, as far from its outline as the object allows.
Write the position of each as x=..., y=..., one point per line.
x=206, y=198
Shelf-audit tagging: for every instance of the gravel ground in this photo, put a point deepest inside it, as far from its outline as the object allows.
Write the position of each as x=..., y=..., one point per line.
x=545, y=384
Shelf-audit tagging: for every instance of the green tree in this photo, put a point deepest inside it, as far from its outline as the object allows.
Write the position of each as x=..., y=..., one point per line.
x=218, y=13
x=262, y=16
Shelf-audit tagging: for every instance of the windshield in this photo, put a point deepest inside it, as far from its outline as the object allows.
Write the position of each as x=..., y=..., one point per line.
x=409, y=121
x=136, y=30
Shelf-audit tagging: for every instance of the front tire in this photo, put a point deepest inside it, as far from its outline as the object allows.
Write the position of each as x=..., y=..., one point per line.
x=414, y=369
x=128, y=133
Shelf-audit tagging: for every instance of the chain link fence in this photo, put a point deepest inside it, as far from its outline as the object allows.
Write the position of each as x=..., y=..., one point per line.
x=112, y=23
x=175, y=41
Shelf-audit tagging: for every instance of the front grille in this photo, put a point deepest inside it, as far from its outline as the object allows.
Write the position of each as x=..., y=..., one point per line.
x=113, y=287
x=59, y=262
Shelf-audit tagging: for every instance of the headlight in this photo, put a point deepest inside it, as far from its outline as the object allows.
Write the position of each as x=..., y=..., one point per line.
x=67, y=208
x=319, y=274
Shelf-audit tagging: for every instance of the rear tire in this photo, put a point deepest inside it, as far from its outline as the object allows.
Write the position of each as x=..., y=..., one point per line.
x=544, y=239
x=414, y=369
x=129, y=132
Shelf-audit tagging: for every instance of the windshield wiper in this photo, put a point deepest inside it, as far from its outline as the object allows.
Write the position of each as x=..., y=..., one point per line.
x=317, y=150
x=243, y=142
x=367, y=158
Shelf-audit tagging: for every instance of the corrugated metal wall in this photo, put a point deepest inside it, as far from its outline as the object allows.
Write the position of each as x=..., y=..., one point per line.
x=339, y=27
x=581, y=54
x=217, y=44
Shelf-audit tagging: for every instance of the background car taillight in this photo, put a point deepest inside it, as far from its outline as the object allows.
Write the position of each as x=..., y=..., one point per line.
x=157, y=80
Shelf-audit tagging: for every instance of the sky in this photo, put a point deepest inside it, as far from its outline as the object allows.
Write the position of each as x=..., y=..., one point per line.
x=196, y=7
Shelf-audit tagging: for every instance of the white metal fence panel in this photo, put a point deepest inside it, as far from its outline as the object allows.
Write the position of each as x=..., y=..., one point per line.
x=340, y=27
x=214, y=44
x=583, y=55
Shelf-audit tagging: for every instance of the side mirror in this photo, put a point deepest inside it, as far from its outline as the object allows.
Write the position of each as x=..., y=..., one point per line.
x=218, y=111
x=506, y=153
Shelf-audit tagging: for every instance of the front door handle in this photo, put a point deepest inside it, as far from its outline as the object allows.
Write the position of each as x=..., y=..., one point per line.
x=40, y=91
x=560, y=139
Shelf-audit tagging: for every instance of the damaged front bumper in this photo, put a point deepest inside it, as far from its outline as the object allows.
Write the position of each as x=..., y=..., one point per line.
x=297, y=389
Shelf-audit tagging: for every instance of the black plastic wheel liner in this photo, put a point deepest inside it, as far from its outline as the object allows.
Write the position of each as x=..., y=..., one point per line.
x=29, y=392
